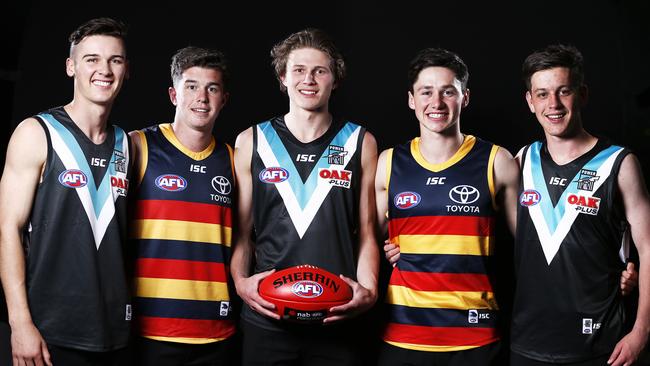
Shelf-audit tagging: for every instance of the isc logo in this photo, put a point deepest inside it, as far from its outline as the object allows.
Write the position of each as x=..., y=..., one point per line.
x=73, y=178
x=274, y=175
x=171, y=182
x=529, y=197
x=406, y=200
x=307, y=289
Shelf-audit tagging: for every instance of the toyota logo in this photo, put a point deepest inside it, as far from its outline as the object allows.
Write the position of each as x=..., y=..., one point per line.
x=464, y=194
x=221, y=185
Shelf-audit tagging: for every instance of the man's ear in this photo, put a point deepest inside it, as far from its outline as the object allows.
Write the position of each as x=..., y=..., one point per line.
x=529, y=100
x=465, y=97
x=172, y=94
x=411, y=101
x=69, y=67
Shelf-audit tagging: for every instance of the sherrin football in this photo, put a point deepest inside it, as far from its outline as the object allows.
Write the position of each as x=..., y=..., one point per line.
x=304, y=293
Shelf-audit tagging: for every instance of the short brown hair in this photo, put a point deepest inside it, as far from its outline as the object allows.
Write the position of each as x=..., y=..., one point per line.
x=308, y=38
x=98, y=26
x=191, y=56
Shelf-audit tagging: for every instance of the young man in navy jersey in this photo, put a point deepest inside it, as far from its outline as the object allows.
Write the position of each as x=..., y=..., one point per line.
x=580, y=200
x=303, y=218
x=437, y=199
x=181, y=227
x=63, y=216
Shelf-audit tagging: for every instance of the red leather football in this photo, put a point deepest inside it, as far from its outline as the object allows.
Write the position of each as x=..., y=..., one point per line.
x=304, y=293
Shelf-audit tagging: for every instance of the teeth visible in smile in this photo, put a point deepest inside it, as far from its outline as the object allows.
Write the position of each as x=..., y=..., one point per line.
x=200, y=110
x=308, y=92
x=555, y=116
x=101, y=83
x=435, y=115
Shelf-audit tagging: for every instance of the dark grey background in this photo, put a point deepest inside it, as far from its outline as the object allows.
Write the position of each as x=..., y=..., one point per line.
x=378, y=41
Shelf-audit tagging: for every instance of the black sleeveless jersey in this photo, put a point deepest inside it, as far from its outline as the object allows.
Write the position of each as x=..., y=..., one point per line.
x=569, y=253
x=76, y=282
x=305, y=199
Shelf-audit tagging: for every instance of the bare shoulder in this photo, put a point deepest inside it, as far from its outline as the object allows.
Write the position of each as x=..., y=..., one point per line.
x=630, y=175
x=244, y=139
x=28, y=143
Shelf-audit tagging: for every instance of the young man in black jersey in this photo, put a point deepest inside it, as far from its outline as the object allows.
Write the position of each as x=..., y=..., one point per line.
x=303, y=218
x=580, y=197
x=62, y=201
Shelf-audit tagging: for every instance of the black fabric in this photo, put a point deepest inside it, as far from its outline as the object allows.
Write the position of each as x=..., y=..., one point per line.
x=390, y=355
x=150, y=352
x=78, y=293
x=570, y=310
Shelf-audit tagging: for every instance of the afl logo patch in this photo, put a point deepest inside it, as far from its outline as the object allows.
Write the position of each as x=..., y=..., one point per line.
x=73, y=178
x=274, y=174
x=171, y=183
x=307, y=289
x=464, y=194
x=406, y=200
x=529, y=197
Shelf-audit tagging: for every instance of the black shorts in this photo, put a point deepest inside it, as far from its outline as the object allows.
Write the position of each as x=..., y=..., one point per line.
x=330, y=345
x=390, y=355
x=150, y=352
x=519, y=360
x=70, y=356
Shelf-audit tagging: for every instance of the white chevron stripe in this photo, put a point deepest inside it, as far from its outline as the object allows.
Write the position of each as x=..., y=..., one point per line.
x=302, y=218
x=97, y=225
x=551, y=242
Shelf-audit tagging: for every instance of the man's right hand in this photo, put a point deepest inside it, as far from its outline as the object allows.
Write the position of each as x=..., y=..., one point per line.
x=247, y=289
x=28, y=346
x=391, y=251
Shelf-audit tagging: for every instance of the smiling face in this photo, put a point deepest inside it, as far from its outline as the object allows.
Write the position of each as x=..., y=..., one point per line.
x=556, y=102
x=199, y=96
x=98, y=65
x=437, y=99
x=309, y=79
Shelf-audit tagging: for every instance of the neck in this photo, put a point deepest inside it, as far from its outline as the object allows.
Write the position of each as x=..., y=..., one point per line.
x=307, y=126
x=567, y=149
x=437, y=148
x=90, y=118
x=194, y=140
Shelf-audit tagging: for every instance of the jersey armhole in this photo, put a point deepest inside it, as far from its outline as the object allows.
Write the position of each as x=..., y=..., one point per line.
x=143, y=157
x=232, y=164
x=490, y=175
x=389, y=166
x=49, y=158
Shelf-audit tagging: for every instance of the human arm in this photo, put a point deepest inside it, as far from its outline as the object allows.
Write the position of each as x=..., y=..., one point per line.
x=26, y=155
x=391, y=250
x=506, y=181
x=364, y=290
x=637, y=212
x=243, y=251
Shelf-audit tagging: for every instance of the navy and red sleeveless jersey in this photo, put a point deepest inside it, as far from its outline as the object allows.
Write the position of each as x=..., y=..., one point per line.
x=182, y=229
x=442, y=216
